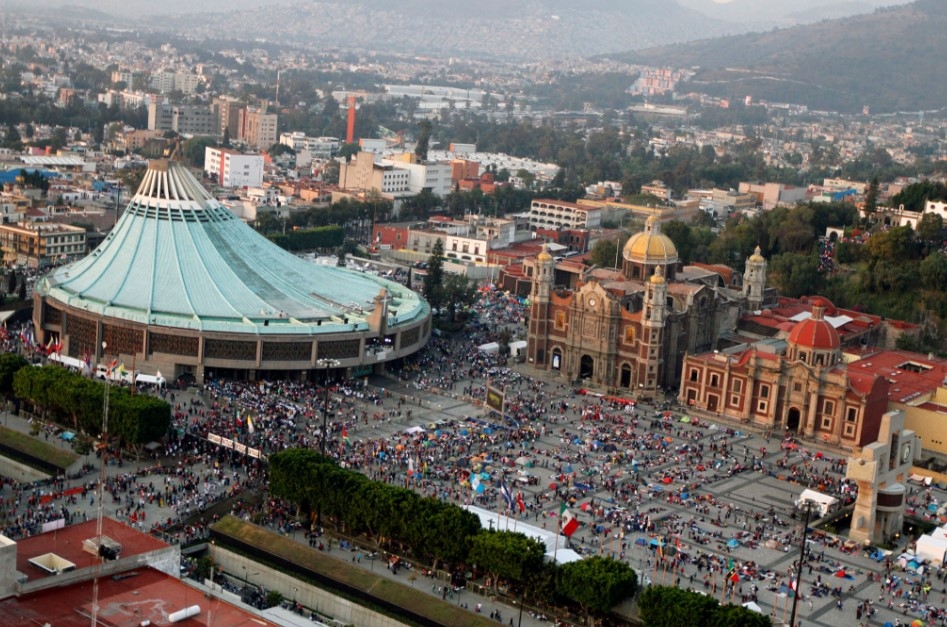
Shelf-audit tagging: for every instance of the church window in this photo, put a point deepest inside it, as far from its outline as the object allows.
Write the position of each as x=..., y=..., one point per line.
x=629, y=335
x=560, y=320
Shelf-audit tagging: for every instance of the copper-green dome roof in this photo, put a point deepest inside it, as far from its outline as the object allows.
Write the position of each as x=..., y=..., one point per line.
x=179, y=258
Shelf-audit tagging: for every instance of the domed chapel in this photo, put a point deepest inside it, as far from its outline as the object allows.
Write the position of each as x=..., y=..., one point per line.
x=628, y=330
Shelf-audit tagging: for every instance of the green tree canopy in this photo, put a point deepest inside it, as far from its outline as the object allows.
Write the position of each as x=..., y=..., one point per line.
x=433, y=280
x=597, y=583
x=506, y=555
x=10, y=364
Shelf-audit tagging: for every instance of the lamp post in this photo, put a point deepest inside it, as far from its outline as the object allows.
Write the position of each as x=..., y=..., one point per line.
x=246, y=582
x=326, y=363
x=519, y=621
x=807, y=504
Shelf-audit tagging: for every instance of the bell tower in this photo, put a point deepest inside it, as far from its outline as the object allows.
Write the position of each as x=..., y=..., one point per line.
x=754, y=280
x=538, y=336
x=651, y=357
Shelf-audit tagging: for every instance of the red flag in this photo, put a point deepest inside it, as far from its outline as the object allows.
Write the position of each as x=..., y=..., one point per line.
x=569, y=524
x=520, y=503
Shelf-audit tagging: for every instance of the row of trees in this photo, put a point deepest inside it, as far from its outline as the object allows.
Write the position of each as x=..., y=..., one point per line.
x=450, y=291
x=673, y=607
x=444, y=534
x=321, y=238
x=73, y=400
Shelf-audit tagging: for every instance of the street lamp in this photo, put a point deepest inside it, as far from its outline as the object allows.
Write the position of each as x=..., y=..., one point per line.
x=807, y=504
x=519, y=621
x=246, y=583
x=327, y=364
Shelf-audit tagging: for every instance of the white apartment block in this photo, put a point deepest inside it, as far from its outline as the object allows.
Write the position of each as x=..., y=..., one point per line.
x=166, y=82
x=317, y=147
x=557, y=214
x=435, y=177
x=233, y=169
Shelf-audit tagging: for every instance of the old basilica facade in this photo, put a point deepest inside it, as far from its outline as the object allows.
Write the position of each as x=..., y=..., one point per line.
x=629, y=330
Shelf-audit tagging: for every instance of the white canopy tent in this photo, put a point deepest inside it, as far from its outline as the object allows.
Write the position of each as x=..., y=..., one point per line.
x=932, y=549
x=493, y=520
x=823, y=502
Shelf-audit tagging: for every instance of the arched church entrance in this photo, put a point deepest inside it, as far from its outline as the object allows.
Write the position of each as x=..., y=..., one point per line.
x=793, y=419
x=586, y=367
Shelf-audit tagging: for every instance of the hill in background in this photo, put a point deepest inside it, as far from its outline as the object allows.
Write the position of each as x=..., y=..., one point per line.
x=890, y=60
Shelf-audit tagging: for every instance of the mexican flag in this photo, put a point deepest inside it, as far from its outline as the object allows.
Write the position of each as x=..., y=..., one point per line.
x=569, y=523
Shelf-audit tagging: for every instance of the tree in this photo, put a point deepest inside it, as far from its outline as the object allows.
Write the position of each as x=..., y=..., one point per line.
x=871, y=200
x=597, y=584
x=605, y=252
x=12, y=138
x=930, y=228
x=194, y=149
x=226, y=140
x=424, y=139
x=10, y=364
x=680, y=234
x=432, y=288
x=665, y=606
x=459, y=293
x=796, y=274
x=895, y=245
x=506, y=555
x=933, y=271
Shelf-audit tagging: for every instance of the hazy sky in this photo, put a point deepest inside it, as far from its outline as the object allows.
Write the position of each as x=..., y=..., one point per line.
x=731, y=10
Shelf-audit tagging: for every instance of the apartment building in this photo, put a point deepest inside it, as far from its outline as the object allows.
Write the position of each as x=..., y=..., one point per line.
x=555, y=214
x=184, y=119
x=233, y=169
x=259, y=129
x=38, y=245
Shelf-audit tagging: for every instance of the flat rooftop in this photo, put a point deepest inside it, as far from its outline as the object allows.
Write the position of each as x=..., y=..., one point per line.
x=67, y=544
x=125, y=600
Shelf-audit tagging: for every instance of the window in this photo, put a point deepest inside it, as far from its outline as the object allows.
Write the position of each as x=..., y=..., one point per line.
x=734, y=400
x=764, y=391
x=828, y=407
x=851, y=415
x=827, y=423
x=761, y=407
x=715, y=380
x=850, y=430
x=737, y=385
x=797, y=387
x=693, y=376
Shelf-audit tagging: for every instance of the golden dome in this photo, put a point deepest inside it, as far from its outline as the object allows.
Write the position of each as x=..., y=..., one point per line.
x=757, y=256
x=544, y=254
x=657, y=279
x=650, y=246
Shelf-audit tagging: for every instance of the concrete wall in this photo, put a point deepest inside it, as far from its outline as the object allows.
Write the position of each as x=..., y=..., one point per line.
x=310, y=596
x=20, y=472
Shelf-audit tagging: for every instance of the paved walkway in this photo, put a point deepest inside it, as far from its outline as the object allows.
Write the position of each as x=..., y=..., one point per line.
x=744, y=495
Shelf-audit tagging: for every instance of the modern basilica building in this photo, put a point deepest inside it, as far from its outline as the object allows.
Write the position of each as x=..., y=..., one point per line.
x=182, y=286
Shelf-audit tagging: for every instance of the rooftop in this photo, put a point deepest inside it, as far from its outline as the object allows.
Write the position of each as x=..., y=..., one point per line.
x=178, y=258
